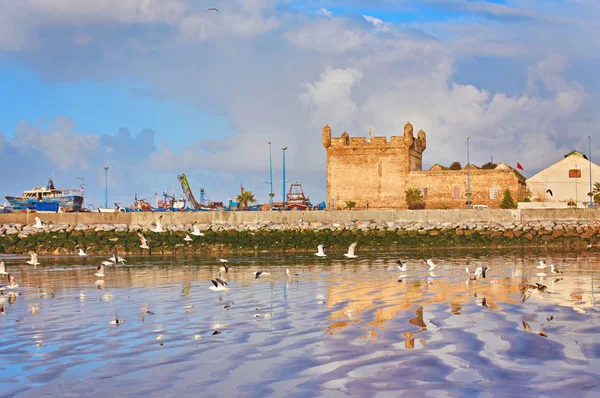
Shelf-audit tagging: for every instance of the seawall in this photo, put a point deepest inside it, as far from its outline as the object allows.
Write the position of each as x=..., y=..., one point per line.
x=225, y=232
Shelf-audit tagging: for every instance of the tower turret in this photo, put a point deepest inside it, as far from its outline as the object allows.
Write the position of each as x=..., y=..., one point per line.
x=422, y=137
x=408, y=134
x=326, y=136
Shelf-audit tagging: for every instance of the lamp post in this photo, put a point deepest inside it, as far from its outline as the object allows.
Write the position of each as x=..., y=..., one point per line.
x=283, y=149
x=468, y=176
x=590, y=159
x=106, y=187
x=270, y=174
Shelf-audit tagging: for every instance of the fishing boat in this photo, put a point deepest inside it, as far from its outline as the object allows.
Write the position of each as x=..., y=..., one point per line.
x=48, y=196
x=296, y=199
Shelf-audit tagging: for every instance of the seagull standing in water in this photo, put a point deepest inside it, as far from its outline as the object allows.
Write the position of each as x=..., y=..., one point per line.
x=100, y=271
x=320, y=252
x=82, y=253
x=144, y=242
x=402, y=266
x=430, y=264
x=34, y=260
x=350, y=253
x=3, y=269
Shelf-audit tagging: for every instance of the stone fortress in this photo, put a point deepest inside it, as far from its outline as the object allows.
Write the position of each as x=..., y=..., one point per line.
x=375, y=174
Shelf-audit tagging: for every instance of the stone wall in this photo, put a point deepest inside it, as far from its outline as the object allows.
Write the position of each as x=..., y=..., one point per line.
x=440, y=186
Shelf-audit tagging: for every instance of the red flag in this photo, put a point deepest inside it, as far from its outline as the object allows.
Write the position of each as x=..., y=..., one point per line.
x=519, y=166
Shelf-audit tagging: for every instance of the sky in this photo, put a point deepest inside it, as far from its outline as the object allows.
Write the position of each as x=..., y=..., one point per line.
x=156, y=88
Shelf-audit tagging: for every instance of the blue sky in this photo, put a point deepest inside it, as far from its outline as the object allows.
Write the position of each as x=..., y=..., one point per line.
x=158, y=88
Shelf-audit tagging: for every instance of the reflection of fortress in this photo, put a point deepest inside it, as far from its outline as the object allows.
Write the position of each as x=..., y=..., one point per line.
x=376, y=173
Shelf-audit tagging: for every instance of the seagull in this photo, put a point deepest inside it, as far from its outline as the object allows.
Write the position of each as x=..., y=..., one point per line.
x=542, y=265
x=159, y=227
x=320, y=252
x=351, y=248
x=219, y=285
x=39, y=223
x=34, y=260
x=187, y=238
x=548, y=191
x=144, y=242
x=117, y=320
x=527, y=328
x=196, y=230
x=12, y=283
x=589, y=246
x=430, y=264
x=402, y=266
x=555, y=270
x=107, y=263
x=212, y=9
x=121, y=260
x=479, y=271
x=257, y=274
x=113, y=258
x=3, y=269
x=223, y=260
x=288, y=273
x=100, y=272
x=82, y=253
x=224, y=268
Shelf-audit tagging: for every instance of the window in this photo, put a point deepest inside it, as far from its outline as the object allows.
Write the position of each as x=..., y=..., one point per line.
x=494, y=193
x=456, y=193
x=424, y=191
x=575, y=173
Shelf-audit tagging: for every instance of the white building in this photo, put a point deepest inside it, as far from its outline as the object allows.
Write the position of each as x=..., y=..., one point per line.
x=565, y=181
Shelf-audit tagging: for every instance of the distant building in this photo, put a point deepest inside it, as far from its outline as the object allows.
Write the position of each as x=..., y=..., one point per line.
x=376, y=173
x=567, y=180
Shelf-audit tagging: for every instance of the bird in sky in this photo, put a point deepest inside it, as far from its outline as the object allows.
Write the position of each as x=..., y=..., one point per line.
x=212, y=9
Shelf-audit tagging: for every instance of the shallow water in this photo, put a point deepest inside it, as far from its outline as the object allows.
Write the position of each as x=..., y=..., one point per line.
x=340, y=328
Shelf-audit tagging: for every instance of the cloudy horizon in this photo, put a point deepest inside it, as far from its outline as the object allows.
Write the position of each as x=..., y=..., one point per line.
x=156, y=88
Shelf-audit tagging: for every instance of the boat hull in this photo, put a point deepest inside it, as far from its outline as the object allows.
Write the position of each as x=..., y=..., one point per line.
x=67, y=203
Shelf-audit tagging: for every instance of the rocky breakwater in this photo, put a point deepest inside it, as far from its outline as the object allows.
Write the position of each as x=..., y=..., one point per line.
x=298, y=236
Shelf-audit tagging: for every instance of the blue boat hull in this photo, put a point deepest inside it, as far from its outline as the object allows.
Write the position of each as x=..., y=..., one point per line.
x=67, y=203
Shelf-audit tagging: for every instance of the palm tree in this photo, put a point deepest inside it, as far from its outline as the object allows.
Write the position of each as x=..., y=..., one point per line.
x=414, y=198
x=595, y=193
x=244, y=198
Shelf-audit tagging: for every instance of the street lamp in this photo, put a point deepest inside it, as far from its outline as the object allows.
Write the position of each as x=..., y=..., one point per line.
x=590, y=159
x=468, y=176
x=283, y=149
x=106, y=187
x=270, y=174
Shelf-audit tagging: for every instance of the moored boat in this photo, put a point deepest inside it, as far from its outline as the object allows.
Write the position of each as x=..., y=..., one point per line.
x=67, y=199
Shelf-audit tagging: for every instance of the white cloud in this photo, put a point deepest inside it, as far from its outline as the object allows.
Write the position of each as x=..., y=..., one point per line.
x=331, y=36
x=380, y=26
x=325, y=12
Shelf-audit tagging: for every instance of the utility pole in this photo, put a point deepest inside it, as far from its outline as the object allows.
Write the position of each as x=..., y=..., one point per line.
x=468, y=176
x=270, y=174
x=106, y=187
x=283, y=149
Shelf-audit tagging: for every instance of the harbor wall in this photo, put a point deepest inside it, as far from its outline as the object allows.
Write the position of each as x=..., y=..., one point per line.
x=291, y=217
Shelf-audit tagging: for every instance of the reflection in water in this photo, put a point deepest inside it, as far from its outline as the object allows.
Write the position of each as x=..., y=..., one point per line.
x=338, y=327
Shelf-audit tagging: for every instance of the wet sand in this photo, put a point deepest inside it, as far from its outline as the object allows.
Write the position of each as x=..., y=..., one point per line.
x=340, y=328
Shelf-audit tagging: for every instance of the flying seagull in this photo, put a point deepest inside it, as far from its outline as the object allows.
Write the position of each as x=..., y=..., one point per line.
x=223, y=260
x=402, y=266
x=320, y=252
x=212, y=9
x=478, y=272
x=351, y=248
x=224, y=268
x=107, y=263
x=555, y=270
x=258, y=274
x=542, y=265
x=159, y=227
x=100, y=271
x=34, y=260
x=219, y=285
x=113, y=258
x=527, y=328
x=12, y=283
x=3, y=269
x=39, y=223
x=196, y=230
x=144, y=242
x=187, y=238
x=288, y=273
x=549, y=192
x=430, y=264
x=82, y=253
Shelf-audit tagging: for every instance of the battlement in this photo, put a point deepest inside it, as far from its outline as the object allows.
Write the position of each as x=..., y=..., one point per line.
x=407, y=141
